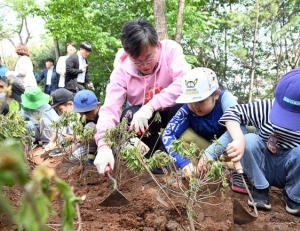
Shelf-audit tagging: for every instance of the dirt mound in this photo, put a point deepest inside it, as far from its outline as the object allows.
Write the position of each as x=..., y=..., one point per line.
x=144, y=212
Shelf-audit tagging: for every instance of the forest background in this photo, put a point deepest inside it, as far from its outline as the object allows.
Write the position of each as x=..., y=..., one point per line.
x=250, y=44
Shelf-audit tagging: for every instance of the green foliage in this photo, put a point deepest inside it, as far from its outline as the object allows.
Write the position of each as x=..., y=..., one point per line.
x=38, y=192
x=39, y=53
x=127, y=146
x=131, y=153
x=80, y=133
x=215, y=34
x=14, y=126
x=14, y=106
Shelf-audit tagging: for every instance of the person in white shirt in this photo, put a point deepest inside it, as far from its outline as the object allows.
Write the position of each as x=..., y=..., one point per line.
x=61, y=64
x=77, y=76
x=50, y=75
x=24, y=66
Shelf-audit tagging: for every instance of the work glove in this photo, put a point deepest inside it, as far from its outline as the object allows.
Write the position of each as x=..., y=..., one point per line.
x=140, y=118
x=136, y=142
x=104, y=159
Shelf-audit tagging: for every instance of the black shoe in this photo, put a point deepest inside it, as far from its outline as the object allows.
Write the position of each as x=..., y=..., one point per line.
x=237, y=184
x=291, y=207
x=157, y=171
x=56, y=152
x=261, y=198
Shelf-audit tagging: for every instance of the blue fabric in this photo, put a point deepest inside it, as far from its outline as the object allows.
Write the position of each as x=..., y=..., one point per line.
x=207, y=126
x=264, y=169
x=39, y=122
x=3, y=70
x=54, y=80
x=43, y=111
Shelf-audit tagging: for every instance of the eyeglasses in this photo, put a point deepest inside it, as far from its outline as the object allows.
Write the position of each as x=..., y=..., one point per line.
x=140, y=63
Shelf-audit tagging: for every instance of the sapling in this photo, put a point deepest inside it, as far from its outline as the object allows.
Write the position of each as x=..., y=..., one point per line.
x=133, y=157
x=198, y=191
x=80, y=134
x=37, y=192
x=129, y=149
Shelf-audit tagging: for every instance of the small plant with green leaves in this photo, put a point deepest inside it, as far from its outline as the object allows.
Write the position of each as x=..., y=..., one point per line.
x=37, y=191
x=198, y=190
x=80, y=134
x=14, y=126
x=127, y=147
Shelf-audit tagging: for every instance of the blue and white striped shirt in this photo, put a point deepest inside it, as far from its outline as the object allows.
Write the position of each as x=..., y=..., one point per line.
x=257, y=114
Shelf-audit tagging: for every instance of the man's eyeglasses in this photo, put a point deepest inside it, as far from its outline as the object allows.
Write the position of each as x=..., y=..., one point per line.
x=140, y=63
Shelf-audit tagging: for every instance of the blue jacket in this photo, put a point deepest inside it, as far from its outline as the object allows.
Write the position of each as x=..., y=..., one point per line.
x=54, y=79
x=206, y=126
x=3, y=70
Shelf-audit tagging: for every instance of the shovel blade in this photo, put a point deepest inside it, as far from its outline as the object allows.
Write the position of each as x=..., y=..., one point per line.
x=115, y=199
x=240, y=214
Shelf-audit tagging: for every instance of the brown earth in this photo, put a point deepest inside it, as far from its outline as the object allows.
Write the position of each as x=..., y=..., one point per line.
x=145, y=212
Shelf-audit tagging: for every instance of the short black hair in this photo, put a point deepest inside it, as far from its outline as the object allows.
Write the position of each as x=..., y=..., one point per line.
x=50, y=60
x=136, y=35
x=86, y=46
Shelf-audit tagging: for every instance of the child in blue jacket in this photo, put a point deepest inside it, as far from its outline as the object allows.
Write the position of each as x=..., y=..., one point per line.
x=204, y=104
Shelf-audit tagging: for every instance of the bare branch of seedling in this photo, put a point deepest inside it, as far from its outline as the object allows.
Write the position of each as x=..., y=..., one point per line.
x=199, y=190
x=131, y=154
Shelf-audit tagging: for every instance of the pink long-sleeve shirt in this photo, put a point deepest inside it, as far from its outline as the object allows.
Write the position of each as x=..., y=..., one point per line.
x=160, y=89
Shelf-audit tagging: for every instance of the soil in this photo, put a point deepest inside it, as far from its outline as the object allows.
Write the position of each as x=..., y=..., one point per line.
x=144, y=212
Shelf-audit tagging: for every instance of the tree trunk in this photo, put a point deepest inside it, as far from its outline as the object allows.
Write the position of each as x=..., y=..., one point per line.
x=179, y=24
x=56, y=48
x=253, y=66
x=159, y=7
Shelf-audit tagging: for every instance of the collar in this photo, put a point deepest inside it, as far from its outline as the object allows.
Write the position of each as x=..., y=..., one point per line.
x=79, y=55
x=142, y=74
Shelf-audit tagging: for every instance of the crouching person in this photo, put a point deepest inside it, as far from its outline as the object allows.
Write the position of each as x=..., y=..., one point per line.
x=39, y=114
x=197, y=120
x=271, y=156
x=86, y=104
x=62, y=102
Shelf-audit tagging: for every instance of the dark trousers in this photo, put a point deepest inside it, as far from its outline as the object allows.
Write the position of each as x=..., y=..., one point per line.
x=48, y=89
x=153, y=141
x=79, y=87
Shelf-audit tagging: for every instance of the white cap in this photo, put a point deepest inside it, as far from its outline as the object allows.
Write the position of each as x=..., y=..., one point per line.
x=197, y=85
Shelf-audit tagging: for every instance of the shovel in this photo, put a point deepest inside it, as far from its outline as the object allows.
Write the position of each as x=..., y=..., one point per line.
x=240, y=214
x=116, y=198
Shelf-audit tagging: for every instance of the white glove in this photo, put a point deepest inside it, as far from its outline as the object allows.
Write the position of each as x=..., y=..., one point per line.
x=140, y=145
x=104, y=159
x=140, y=118
x=50, y=146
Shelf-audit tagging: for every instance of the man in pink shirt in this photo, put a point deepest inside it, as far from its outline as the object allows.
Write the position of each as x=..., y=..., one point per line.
x=149, y=77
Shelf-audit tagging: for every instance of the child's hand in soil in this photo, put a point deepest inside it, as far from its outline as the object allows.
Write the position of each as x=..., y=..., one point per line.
x=202, y=166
